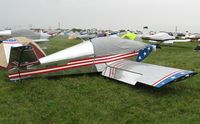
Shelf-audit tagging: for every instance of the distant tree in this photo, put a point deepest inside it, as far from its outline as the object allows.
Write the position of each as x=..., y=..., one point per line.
x=122, y=30
x=76, y=30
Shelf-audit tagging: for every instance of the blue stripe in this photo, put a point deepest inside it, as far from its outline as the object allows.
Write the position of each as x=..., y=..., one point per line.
x=174, y=77
x=9, y=40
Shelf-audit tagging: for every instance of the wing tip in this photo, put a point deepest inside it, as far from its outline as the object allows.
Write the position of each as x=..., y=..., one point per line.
x=176, y=77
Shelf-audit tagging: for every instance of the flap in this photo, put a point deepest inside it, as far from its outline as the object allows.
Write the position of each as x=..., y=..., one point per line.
x=153, y=75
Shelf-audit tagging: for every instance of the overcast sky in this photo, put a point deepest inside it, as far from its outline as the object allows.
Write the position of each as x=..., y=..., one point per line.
x=103, y=14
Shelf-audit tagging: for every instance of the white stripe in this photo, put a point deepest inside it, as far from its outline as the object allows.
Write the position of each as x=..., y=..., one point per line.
x=81, y=61
x=52, y=69
x=107, y=57
x=69, y=66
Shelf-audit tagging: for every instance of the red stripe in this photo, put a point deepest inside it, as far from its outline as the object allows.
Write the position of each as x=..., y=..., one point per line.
x=164, y=77
x=110, y=71
x=100, y=58
x=39, y=54
x=68, y=64
x=65, y=67
x=2, y=67
x=114, y=68
x=62, y=68
x=118, y=66
x=10, y=43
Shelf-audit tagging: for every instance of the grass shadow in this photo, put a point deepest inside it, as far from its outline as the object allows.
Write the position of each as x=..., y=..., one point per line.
x=58, y=77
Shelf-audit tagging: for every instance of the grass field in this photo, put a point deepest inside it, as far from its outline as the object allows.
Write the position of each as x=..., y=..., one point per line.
x=92, y=99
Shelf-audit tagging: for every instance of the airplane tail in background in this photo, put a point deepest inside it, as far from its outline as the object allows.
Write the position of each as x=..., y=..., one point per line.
x=145, y=30
x=187, y=34
x=5, y=33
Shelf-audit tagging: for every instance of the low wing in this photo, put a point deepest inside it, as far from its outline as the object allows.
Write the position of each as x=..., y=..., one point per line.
x=176, y=41
x=134, y=72
x=183, y=41
x=171, y=41
x=152, y=41
x=164, y=42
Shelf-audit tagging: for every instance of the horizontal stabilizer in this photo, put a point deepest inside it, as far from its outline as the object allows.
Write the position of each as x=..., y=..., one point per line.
x=153, y=75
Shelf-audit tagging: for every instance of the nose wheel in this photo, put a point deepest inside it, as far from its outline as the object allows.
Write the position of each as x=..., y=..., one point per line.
x=197, y=47
x=158, y=46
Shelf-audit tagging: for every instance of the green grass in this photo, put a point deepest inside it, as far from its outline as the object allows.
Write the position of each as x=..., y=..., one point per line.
x=91, y=99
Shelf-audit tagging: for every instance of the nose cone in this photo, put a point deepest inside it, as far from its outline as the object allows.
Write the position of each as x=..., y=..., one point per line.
x=5, y=33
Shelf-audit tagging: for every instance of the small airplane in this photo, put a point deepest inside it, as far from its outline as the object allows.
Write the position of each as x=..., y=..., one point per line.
x=163, y=38
x=191, y=36
x=109, y=56
x=85, y=37
x=36, y=37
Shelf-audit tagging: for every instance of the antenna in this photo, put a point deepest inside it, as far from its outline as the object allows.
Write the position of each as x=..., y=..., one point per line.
x=176, y=29
x=58, y=25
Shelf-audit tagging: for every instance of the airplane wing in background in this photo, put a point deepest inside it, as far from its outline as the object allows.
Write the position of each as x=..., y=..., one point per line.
x=153, y=75
x=176, y=41
x=41, y=40
x=170, y=41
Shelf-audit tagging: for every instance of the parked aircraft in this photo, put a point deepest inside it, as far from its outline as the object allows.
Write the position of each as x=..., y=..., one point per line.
x=163, y=38
x=108, y=55
x=36, y=37
x=191, y=36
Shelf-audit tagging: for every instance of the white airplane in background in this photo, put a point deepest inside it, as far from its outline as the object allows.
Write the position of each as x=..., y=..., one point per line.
x=161, y=37
x=191, y=36
x=164, y=38
x=36, y=37
x=85, y=37
x=44, y=37
x=108, y=55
